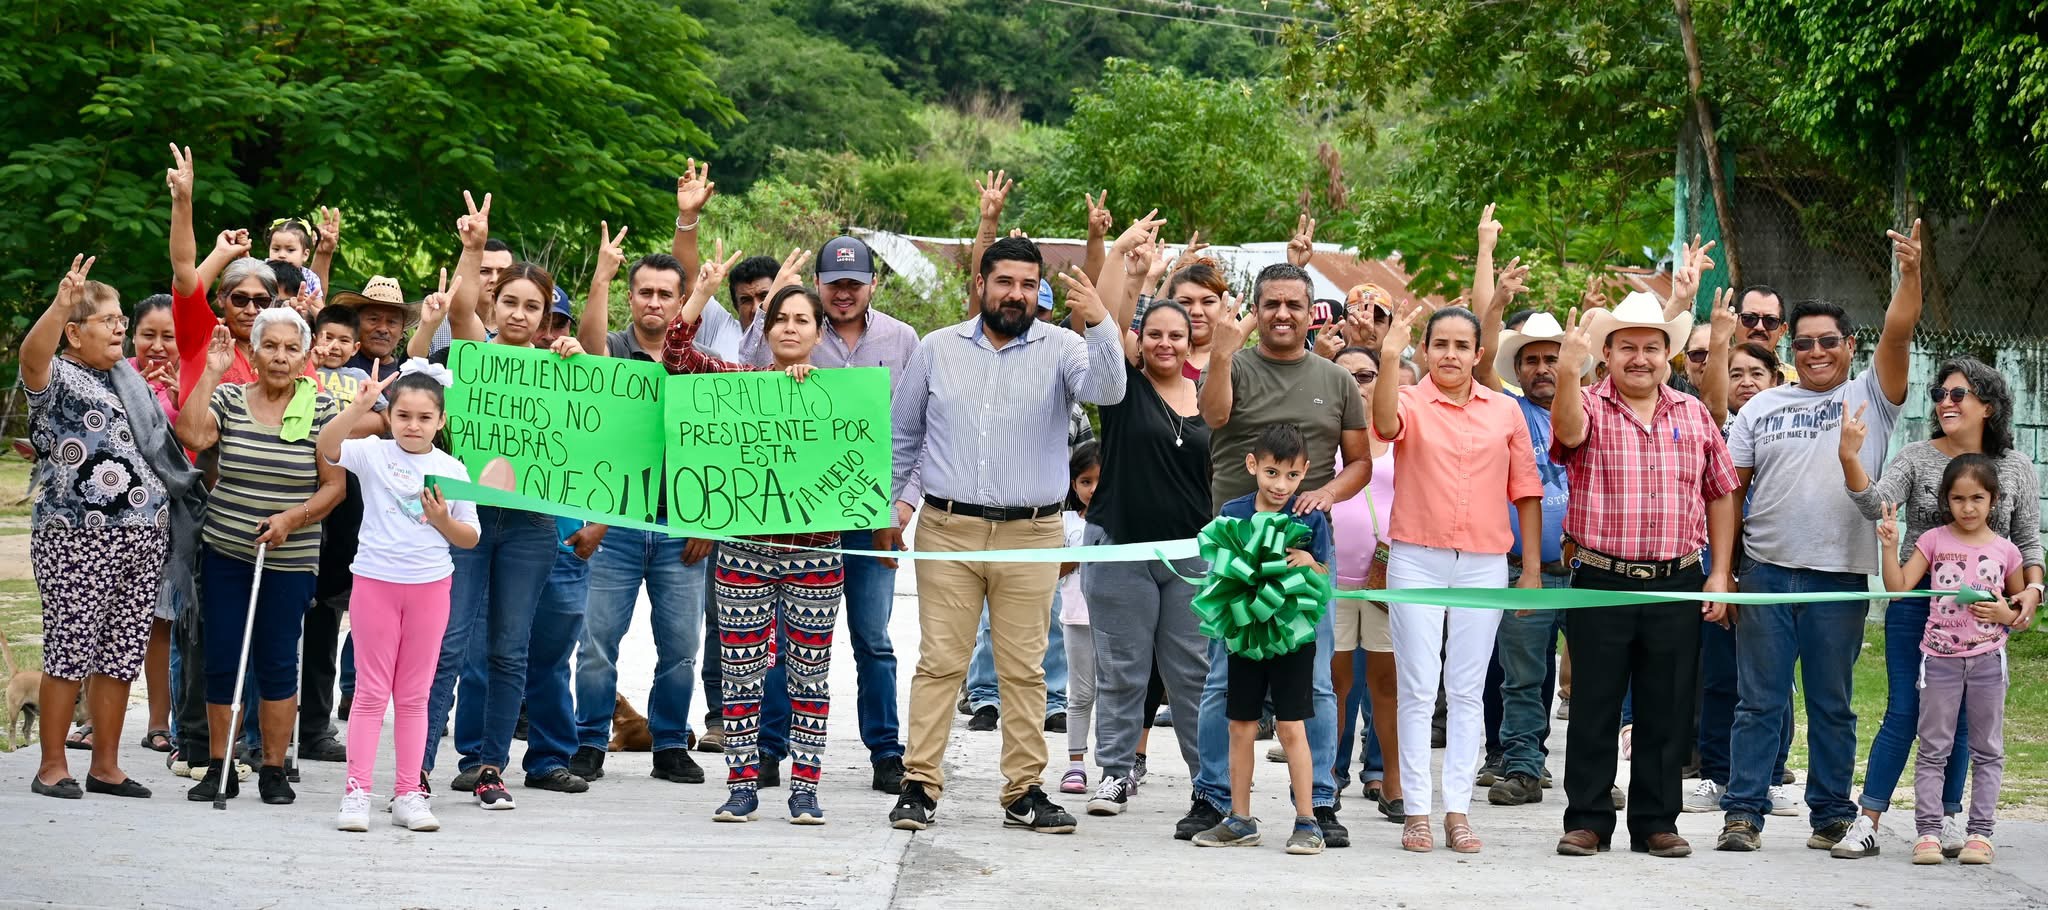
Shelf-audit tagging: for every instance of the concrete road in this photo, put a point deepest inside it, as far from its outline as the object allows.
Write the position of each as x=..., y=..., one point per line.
x=633, y=841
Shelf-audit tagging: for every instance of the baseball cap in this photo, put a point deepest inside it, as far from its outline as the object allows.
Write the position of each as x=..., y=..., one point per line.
x=562, y=302
x=1044, y=294
x=845, y=257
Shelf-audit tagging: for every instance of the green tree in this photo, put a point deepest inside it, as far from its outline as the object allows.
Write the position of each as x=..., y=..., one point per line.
x=1228, y=159
x=569, y=114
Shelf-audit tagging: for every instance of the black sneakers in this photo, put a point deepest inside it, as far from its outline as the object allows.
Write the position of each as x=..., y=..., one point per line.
x=1334, y=832
x=914, y=809
x=209, y=786
x=587, y=763
x=889, y=774
x=559, y=780
x=328, y=749
x=271, y=785
x=676, y=765
x=1518, y=788
x=1739, y=836
x=769, y=774
x=983, y=720
x=1201, y=817
x=1056, y=723
x=1034, y=811
x=491, y=793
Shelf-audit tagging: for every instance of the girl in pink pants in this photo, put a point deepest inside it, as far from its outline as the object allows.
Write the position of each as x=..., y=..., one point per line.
x=399, y=606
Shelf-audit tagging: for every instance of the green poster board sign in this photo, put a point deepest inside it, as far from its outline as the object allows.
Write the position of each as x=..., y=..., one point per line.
x=760, y=453
x=579, y=432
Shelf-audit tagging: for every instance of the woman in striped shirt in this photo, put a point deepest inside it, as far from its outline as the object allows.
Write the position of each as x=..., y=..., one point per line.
x=780, y=596
x=273, y=492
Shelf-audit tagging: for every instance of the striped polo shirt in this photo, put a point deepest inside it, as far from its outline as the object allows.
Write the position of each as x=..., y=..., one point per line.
x=261, y=476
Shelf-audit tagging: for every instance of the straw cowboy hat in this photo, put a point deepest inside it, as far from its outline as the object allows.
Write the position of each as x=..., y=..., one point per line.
x=1540, y=327
x=1639, y=310
x=381, y=291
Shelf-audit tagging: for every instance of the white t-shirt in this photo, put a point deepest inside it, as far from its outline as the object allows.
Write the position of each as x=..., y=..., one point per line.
x=1073, y=610
x=1800, y=514
x=396, y=543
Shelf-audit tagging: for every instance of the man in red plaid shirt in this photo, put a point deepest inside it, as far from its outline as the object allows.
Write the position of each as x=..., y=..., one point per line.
x=1652, y=484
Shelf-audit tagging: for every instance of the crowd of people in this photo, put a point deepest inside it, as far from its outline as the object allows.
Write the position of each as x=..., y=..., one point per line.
x=262, y=442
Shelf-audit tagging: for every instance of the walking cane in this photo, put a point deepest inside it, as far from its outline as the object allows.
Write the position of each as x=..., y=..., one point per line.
x=220, y=794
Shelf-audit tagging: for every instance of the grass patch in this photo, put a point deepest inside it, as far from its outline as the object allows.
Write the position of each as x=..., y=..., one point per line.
x=21, y=621
x=13, y=482
x=2026, y=720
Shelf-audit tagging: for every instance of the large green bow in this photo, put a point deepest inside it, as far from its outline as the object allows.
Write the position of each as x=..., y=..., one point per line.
x=1258, y=605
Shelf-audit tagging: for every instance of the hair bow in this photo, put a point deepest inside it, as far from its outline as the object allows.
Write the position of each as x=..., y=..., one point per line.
x=434, y=371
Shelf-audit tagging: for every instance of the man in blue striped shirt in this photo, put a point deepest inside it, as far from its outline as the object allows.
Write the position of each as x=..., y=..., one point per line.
x=981, y=427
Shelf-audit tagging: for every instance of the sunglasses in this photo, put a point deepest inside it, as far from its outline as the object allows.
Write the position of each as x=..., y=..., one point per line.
x=247, y=301
x=1826, y=342
x=1954, y=395
x=1752, y=320
x=1699, y=356
x=1366, y=377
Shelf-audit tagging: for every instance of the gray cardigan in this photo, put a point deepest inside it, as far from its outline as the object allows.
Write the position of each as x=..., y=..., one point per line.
x=1913, y=480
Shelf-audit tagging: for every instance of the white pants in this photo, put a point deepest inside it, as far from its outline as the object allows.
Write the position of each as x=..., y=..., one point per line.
x=1425, y=653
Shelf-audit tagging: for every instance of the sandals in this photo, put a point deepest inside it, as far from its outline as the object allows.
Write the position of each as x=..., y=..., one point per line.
x=1461, y=838
x=157, y=741
x=80, y=738
x=1416, y=836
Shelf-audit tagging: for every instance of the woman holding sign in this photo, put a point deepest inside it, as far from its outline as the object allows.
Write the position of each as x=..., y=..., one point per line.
x=777, y=593
x=497, y=584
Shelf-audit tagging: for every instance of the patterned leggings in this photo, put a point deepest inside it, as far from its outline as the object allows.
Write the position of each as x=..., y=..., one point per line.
x=775, y=602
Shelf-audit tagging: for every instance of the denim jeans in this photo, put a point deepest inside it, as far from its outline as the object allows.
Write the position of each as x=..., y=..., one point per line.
x=675, y=599
x=1823, y=640
x=347, y=660
x=557, y=627
x=870, y=600
x=1717, y=707
x=496, y=589
x=1357, y=709
x=1526, y=647
x=1213, y=783
x=1904, y=625
x=981, y=669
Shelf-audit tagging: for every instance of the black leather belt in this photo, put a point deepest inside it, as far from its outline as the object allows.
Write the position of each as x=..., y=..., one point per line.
x=1559, y=568
x=991, y=513
x=1642, y=571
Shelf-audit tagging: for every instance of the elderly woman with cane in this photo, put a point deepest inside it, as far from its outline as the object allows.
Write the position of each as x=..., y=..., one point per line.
x=272, y=493
x=101, y=523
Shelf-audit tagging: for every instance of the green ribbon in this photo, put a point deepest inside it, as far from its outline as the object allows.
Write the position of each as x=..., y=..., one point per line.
x=1252, y=600
x=467, y=491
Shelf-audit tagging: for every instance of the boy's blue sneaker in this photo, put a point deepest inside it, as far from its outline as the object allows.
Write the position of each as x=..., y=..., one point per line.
x=1232, y=831
x=803, y=809
x=1307, y=839
x=739, y=807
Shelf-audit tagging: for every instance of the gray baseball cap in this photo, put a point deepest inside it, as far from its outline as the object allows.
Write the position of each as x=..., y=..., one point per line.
x=845, y=257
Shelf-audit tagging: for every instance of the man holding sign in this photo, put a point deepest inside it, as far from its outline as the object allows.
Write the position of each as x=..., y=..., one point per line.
x=980, y=420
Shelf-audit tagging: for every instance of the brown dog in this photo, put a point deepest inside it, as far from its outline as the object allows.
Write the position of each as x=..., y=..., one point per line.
x=24, y=697
x=629, y=729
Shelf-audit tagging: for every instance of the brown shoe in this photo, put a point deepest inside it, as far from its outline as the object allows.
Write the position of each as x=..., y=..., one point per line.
x=1664, y=844
x=1580, y=843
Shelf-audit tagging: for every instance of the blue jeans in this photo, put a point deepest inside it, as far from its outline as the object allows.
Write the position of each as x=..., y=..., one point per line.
x=1526, y=647
x=496, y=589
x=1904, y=625
x=675, y=597
x=557, y=627
x=348, y=666
x=1717, y=707
x=1358, y=716
x=1823, y=640
x=1213, y=783
x=981, y=669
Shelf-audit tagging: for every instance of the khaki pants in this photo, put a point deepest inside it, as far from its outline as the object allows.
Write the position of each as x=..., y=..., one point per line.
x=950, y=597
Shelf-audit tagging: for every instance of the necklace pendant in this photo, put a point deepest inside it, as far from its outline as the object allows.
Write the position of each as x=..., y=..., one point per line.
x=1176, y=442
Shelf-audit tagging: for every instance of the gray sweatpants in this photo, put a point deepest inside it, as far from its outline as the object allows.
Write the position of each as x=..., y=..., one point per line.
x=1950, y=686
x=1080, y=645
x=1140, y=614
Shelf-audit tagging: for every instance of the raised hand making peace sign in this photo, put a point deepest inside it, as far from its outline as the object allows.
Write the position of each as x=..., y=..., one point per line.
x=475, y=227
x=1302, y=247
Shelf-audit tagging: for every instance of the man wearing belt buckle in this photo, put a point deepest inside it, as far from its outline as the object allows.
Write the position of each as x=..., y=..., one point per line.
x=1651, y=484
x=981, y=426
x=1526, y=644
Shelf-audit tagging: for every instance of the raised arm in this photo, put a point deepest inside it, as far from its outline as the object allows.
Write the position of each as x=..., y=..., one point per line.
x=1894, y=355
x=39, y=346
x=1098, y=228
x=184, y=249
x=343, y=426
x=1301, y=248
x=1097, y=376
x=1482, y=295
x=325, y=245
x=1720, y=349
x=1386, y=396
x=1118, y=288
x=1216, y=398
x=693, y=191
x=1896, y=577
x=1568, y=408
x=679, y=351
x=197, y=428
x=995, y=190
x=433, y=312
x=1693, y=264
x=465, y=294
x=596, y=321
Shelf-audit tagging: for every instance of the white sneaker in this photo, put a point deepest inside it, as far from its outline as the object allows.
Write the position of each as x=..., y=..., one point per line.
x=1110, y=796
x=411, y=813
x=1705, y=797
x=355, y=810
x=1278, y=753
x=1783, y=802
x=1954, y=834
x=1860, y=842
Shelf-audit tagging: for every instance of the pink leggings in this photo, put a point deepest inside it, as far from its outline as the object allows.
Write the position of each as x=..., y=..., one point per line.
x=397, y=633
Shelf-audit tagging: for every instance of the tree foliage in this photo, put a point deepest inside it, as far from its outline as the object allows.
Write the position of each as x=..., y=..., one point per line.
x=569, y=114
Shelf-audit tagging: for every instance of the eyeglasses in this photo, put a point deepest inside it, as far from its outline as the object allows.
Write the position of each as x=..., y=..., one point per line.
x=119, y=323
x=1826, y=342
x=1752, y=320
x=1699, y=356
x=247, y=301
x=1954, y=395
x=1365, y=377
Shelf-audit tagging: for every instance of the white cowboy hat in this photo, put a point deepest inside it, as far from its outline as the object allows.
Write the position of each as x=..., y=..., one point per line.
x=1640, y=310
x=381, y=291
x=1540, y=327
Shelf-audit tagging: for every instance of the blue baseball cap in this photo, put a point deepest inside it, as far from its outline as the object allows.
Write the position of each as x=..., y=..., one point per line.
x=562, y=302
x=845, y=257
x=1044, y=294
